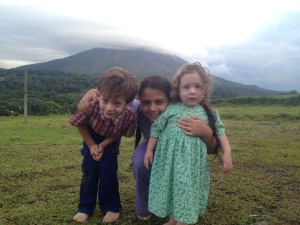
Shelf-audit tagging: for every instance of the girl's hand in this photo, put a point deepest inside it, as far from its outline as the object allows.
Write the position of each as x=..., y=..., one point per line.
x=148, y=159
x=194, y=126
x=226, y=161
x=88, y=100
x=197, y=127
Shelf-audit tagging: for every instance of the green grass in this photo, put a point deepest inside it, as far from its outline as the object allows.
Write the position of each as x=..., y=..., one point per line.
x=41, y=171
x=273, y=113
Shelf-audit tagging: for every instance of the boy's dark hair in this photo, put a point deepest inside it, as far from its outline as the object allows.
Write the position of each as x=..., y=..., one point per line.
x=116, y=82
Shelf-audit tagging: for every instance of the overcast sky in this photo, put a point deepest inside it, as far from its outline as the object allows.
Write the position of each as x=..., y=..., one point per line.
x=248, y=42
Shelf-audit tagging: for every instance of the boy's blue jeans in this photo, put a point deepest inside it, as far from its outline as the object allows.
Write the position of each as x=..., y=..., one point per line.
x=100, y=177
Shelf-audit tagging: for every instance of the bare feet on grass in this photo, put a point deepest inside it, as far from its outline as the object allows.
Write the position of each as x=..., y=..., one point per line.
x=144, y=217
x=81, y=217
x=111, y=217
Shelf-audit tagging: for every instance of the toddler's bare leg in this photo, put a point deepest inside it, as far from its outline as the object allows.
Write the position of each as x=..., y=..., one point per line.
x=179, y=223
x=171, y=221
x=111, y=217
x=80, y=217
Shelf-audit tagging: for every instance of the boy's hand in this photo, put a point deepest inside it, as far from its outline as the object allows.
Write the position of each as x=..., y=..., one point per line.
x=148, y=159
x=226, y=161
x=100, y=152
x=96, y=151
x=98, y=157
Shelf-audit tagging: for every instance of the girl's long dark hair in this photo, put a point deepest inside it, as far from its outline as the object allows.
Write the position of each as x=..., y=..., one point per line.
x=212, y=124
x=138, y=136
x=157, y=82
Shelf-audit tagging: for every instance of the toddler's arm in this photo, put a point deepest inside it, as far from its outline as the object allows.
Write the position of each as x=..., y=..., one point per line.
x=226, y=159
x=148, y=159
x=84, y=105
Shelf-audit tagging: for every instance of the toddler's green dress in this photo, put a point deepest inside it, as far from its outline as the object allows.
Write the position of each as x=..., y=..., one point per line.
x=179, y=183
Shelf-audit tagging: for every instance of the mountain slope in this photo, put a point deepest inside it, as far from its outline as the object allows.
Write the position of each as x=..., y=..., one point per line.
x=228, y=89
x=141, y=62
x=95, y=61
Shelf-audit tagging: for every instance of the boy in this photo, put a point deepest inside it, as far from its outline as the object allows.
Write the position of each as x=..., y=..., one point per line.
x=101, y=131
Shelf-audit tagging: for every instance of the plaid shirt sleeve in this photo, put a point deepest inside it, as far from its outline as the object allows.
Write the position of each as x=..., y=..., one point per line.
x=77, y=119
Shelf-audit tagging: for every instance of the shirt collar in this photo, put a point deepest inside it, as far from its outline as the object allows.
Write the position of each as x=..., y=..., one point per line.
x=114, y=120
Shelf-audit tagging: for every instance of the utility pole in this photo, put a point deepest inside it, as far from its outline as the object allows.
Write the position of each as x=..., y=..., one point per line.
x=25, y=96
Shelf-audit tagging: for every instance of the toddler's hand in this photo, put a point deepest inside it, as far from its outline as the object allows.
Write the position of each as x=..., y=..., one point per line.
x=148, y=159
x=226, y=161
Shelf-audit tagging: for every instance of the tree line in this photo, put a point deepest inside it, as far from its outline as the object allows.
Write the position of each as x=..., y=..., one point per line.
x=57, y=92
x=49, y=92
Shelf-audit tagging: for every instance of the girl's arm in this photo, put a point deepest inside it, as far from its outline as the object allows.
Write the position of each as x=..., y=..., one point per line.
x=226, y=159
x=84, y=105
x=197, y=127
x=148, y=159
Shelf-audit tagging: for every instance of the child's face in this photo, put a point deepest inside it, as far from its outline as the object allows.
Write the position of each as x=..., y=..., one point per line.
x=111, y=107
x=190, y=89
x=153, y=103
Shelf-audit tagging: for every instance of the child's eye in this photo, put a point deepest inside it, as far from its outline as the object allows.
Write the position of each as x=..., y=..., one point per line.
x=198, y=87
x=145, y=103
x=104, y=100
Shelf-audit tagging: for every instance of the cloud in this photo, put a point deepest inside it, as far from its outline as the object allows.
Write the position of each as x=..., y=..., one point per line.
x=268, y=58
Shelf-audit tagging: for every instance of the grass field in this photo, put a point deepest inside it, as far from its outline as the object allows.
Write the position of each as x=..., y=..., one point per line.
x=41, y=171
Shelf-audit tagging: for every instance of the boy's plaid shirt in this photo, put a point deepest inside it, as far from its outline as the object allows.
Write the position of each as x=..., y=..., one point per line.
x=124, y=124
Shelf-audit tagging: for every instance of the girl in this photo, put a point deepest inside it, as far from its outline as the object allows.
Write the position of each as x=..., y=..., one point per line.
x=179, y=183
x=154, y=96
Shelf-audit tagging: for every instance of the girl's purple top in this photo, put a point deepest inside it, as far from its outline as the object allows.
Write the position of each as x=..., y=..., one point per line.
x=141, y=173
x=143, y=122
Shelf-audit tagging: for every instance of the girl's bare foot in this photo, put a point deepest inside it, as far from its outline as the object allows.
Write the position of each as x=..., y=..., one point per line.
x=81, y=217
x=171, y=221
x=111, y=217
x=144, y=217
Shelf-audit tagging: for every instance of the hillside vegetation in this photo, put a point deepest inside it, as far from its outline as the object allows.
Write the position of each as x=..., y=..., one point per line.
x=49, y=92
x=57, y=92
x=288, y=99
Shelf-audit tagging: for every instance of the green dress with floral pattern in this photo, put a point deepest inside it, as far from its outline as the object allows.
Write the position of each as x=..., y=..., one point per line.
x=179, y=183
